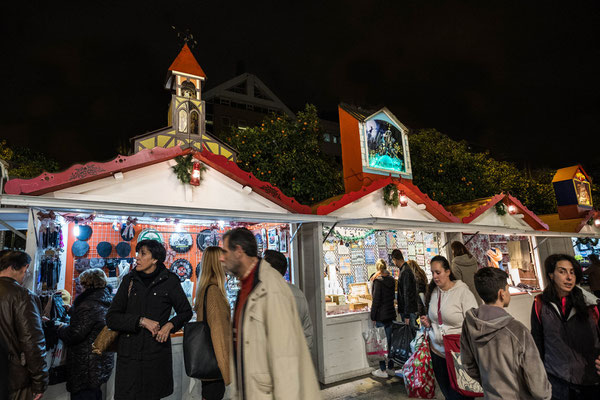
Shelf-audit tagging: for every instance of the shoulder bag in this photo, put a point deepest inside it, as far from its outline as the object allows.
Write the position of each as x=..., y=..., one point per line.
x=198, y=351
x=106, y=341
x=459, y=379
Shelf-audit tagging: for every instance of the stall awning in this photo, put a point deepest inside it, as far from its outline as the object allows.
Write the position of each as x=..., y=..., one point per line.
x=14, y=220
x=432, y=226
x=158, y=211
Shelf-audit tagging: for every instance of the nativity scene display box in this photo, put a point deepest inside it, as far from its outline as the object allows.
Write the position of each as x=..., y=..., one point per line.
x=572, y=187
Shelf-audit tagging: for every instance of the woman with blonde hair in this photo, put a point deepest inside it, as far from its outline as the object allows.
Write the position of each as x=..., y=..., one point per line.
x=383, y=311
x=211, y=288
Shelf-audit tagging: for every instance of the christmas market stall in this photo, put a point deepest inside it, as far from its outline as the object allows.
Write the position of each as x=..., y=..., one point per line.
x=576, y=219
x=92, y=216
x=514, y=251
x=381, y=211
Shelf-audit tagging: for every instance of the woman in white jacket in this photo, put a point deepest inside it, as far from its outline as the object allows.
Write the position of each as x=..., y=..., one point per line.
x=453, y=298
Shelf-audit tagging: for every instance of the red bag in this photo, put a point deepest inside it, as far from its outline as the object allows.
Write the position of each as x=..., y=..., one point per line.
x=459, y=379
x=419, y=379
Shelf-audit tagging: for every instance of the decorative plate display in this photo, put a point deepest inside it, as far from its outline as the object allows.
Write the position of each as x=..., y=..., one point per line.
x=207, y=238
x=259, y=244
x=85, y=232
x=182, y=268
x=80, y=248
x=198, y=271
x=150, y=234
x=181, y=242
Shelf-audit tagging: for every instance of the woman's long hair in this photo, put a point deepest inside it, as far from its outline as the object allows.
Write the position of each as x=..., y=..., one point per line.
x=417, y=271
x=212, y=271
x=459, y=249
x=444, y=261
x=550, y=294
x=381, y=265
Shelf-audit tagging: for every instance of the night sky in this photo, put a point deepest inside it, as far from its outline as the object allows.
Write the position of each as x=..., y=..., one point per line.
x=519, y=80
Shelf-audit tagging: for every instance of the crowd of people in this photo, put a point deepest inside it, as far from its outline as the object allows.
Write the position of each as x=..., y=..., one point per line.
x=263, y=351
x=559, y=358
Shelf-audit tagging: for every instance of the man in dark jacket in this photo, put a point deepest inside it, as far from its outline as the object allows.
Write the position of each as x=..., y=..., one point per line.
x=21, y=330
x=407, y=290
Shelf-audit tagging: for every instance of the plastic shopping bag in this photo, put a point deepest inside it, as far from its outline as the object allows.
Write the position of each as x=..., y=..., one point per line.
x=419, y=379
x=375, y=344
x=402, y=335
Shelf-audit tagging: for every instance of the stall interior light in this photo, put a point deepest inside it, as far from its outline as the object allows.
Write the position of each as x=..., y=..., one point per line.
x=403, y=198
x=76, y=229
x=512, y=209
x=597, y=222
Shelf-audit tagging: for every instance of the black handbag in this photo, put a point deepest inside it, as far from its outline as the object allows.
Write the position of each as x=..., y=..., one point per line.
x=198, y=352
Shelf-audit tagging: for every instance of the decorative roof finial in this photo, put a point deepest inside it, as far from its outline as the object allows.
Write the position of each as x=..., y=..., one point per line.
x=186, y=36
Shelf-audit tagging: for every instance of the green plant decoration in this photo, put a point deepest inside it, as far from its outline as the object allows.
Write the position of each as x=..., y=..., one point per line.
x=390, y=195
x=183, y=169
x=500, y=208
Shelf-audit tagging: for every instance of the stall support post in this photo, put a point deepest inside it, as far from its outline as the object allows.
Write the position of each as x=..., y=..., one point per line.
x=310, y=255
x=31, y=249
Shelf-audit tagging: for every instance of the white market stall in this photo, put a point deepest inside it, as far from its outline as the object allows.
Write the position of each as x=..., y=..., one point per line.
x=143, y=192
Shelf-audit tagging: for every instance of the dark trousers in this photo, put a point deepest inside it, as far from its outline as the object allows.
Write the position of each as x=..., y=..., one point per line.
x=213, y=390
x=563, y=390
x=443, y=379
x=87, y=394
x=387, y=325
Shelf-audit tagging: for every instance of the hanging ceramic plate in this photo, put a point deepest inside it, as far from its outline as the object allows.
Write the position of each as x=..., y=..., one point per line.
x=181, y=242
x=150, y=234
x=85, y=232
x=207, y=238
x=198, y=271
x=182, y=268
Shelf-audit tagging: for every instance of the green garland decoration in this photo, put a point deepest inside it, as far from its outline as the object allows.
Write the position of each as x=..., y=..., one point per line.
x=500, y=208
x=184, y=167
x=390, y=195
x=587, y=241
x=350, y=239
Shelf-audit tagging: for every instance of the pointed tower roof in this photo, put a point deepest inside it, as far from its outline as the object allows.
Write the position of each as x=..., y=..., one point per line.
x=186, y=63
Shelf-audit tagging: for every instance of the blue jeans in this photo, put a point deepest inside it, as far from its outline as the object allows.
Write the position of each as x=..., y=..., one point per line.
x=387, y=325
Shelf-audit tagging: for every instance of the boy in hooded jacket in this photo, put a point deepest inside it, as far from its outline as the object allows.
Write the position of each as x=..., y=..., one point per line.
x=497, y=350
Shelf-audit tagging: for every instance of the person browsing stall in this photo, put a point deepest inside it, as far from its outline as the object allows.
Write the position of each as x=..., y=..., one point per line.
x=270, y=354
x=497, y=350
x=448, y=301
x=140, y=311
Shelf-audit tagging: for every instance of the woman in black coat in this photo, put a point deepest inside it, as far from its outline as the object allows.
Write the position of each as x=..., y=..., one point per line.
x=87, y=371
x=383, y=311
x=140, y=312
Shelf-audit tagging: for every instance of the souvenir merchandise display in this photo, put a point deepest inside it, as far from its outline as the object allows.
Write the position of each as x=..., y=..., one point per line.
x=181, y=242
x=50, y=236
x=184, y=242
x=511, y=253
x=50, y=270
x=350, y=256
x=128, y=230
x=85, y=232
x=182, y=268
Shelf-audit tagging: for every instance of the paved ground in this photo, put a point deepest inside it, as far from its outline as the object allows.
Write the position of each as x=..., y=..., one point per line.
x=367, y=387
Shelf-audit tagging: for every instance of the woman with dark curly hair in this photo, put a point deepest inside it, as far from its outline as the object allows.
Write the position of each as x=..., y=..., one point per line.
x=564, y=325
x=141, y=312
x=86, y=371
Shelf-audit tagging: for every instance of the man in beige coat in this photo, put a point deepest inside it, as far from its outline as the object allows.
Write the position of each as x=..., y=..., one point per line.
x=270, y=355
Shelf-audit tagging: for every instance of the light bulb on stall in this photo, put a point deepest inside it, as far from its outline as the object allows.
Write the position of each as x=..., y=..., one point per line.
x=597, y=222
x=512, y=209
x=76, y=230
